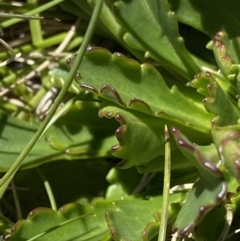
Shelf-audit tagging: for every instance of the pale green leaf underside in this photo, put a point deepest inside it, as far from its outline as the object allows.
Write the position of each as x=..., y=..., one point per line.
x=141, y=87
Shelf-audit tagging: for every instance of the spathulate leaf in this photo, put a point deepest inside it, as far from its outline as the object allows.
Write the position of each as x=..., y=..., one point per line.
x=141, y=87
x=160, y=38
x=135, y=125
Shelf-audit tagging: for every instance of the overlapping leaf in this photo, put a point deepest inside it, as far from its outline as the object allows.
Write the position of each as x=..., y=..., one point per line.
x=135, y=125
x=143, y=224
x=70, y=222
x=160, y=38
x=202, y=198
x=94, y=222
x=140, y=87
x=209, y=16
x=207, y=192
x=122, y=182
x=107, y=24
x=212, y=226
x=227, y=140
x=71, y=137
x=217, y=101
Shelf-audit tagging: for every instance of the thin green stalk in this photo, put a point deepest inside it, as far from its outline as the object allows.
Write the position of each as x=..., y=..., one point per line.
x=35, y=27
x=37, y=10
x=16, y=200
x=48, y=189
x=19, y=16
x=61, y=95
x=166, y=187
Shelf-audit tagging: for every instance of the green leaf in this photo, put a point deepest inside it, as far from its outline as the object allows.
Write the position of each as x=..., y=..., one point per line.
x=203, y=158
x=207, y=192
x=14, y=136
x=212, y=224
x=122, y=182
x=209, y=16
x=71, y=222
x=141, y=87
x=135, y=125
x=73, y=136
x=202, y=198
x=94, y=222
x=81, y=133
x=217, y=101
x=144, y=219
x=160, y=37
x=178, y=162
x=223, y=60
x=227, y=141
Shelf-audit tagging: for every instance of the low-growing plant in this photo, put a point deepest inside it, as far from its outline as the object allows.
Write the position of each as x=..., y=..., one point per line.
x=150, y=102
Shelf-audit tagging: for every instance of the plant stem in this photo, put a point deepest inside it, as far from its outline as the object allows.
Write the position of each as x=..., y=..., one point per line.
x=166, y=187
x=48, y=190
x=16, y=200
x=76, y=64
x=35, y=27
